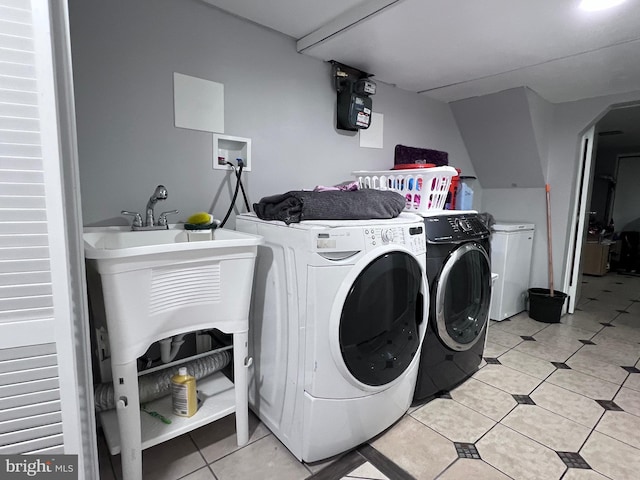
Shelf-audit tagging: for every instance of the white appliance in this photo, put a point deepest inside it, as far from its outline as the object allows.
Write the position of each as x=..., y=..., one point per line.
x=338, y=315
x=511, y=247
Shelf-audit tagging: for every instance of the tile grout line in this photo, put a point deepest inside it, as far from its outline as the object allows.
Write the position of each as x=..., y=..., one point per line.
x=237, y=448
x=616, y=439
x=340, y=468
x=384, y=464
x=199, y=451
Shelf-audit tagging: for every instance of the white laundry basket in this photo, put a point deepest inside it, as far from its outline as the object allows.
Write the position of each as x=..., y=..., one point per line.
x=423, y=188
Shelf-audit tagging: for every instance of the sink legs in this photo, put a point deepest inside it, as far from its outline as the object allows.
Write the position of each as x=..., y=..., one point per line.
x=125, y=387
x=241, y=363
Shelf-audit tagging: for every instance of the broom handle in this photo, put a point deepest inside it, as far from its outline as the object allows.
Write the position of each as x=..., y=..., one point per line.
x=548, y=188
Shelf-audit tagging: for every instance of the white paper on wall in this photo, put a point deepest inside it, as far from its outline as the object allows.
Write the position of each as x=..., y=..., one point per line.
x=198, y=104
x=372, y=136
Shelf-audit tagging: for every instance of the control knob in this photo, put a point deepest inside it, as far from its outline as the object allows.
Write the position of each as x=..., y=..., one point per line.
x=387, y=235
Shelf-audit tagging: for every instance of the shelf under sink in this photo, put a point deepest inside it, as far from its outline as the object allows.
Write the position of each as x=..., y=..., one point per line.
x=217, y=393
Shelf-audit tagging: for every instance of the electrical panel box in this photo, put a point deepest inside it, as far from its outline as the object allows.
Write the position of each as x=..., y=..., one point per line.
x=354, y=104
x=354, y=111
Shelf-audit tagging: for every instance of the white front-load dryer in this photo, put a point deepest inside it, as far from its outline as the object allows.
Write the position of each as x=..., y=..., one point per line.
x=338, y=315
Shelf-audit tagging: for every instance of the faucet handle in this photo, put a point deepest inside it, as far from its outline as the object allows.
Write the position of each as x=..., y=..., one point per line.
x=162, y=219
x=137, y=218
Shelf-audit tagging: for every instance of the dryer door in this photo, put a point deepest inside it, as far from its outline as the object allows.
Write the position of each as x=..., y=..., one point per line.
x=379, y=326
x=463, y=293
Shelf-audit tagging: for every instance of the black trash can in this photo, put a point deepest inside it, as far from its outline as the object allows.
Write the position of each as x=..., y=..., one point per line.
x=545, y=308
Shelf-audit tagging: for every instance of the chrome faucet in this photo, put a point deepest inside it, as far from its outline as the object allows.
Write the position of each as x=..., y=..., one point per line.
x=160, y=193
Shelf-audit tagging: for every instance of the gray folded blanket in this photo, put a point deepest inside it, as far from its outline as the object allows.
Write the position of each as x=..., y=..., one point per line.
x=296, y=206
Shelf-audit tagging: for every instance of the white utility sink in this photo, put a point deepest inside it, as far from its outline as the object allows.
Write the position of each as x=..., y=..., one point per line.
x=119, y=242
x=160, y=283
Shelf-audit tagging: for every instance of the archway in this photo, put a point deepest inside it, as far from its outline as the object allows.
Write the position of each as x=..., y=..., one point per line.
x=591, y=141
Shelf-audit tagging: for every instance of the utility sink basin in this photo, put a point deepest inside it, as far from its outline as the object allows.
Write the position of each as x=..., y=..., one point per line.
x=119, y=242
x=159, y=283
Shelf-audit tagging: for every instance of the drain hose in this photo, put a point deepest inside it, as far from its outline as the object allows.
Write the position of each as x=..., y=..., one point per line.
x=158, y=384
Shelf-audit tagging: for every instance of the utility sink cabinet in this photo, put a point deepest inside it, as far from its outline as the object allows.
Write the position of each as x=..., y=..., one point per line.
x=157, y=284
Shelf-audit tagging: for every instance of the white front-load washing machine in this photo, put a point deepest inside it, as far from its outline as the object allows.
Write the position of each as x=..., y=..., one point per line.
x=338, y=315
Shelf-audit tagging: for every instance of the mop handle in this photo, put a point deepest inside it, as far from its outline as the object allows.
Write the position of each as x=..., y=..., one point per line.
x=548, y=189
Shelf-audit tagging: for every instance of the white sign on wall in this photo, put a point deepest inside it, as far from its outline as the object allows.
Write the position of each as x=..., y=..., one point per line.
x=198, y=104
x=372, y=136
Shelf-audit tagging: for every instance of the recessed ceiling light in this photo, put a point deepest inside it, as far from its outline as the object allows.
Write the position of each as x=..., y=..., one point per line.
x=594, y=5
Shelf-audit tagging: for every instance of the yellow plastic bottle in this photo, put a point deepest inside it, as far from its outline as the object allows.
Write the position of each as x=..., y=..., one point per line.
x=183, y=393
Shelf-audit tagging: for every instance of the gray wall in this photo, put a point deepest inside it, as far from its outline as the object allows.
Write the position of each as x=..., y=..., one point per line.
x=500, y=135
x=124, y=56
x=525, y=205
x=541, y=113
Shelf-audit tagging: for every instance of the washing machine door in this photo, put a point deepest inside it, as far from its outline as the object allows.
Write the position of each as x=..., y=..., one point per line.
x=379, y=324
x=463, y=293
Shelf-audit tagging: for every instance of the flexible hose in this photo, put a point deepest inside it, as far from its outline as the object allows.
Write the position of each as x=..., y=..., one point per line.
x=244, y=194
x=233, y=200
x=158, y=384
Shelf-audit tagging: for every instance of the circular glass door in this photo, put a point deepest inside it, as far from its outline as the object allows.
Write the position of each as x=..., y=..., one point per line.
x=378, y=332
x=463, y=292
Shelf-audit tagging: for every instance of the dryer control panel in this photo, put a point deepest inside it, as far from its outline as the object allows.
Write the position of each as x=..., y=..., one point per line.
x=451, y=228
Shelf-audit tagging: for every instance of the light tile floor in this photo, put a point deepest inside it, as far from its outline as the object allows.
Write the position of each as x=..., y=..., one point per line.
x=554, y=401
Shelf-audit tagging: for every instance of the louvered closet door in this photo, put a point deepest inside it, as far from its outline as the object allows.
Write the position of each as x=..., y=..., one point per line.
x=38, y=385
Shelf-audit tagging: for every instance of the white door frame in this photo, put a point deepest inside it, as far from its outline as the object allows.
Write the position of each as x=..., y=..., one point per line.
x=573, y=278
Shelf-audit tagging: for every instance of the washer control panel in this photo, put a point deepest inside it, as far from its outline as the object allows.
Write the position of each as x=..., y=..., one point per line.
x=455, y=228
x=411, y=236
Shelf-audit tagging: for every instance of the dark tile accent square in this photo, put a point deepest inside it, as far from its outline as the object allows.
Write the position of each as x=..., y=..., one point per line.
x=573, y=460
x=587, y=342
x=523, y=399
x=592, y=298
x=466, y=450
x=623, y=311
x=619, y=283
x=631, y=369
x=527, y=338
x=610, y=405
x=606, y=324
x=561, y=366
x=448, y=357
x=492, y=361
x=608, y=291
x=585, y=282
x=635, y=301
x=444, y=394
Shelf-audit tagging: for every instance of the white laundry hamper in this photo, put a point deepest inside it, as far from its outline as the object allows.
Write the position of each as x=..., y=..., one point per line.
x=424, y=189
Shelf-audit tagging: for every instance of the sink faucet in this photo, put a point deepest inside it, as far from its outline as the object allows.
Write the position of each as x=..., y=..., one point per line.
x=160, y=193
